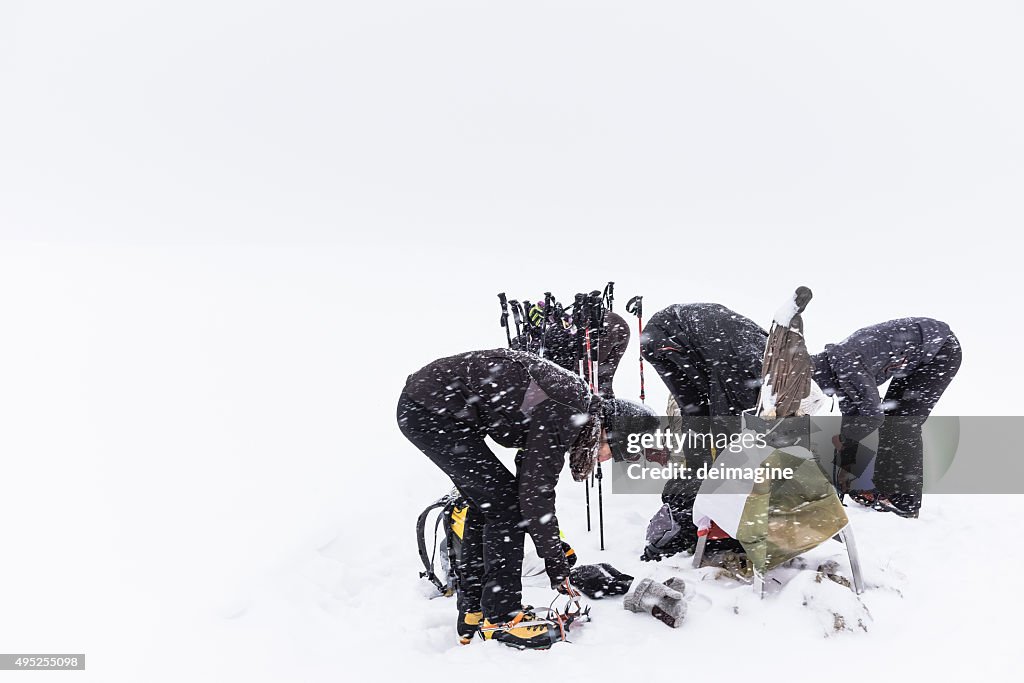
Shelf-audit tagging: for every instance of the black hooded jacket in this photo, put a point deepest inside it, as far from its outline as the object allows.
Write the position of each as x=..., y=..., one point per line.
x=711, y=348
x=854, y=368
x=520, y=401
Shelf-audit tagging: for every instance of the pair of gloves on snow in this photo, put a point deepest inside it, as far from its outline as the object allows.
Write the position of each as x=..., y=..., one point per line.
x=665, y=601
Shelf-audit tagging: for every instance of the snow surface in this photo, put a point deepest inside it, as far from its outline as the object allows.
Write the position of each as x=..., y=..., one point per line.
x=229, y=231
x=201, y=456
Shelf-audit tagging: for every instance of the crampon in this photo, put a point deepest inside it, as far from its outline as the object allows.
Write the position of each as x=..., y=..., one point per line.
x=530, y=630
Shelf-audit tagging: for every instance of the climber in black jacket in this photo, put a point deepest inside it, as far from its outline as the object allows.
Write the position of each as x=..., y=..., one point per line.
x=521, y=401
x=708, y=355
x=921, y=356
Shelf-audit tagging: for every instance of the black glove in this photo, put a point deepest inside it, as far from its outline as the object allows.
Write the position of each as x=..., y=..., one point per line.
x=570, y=554
x=598, y=580
x=558, y=572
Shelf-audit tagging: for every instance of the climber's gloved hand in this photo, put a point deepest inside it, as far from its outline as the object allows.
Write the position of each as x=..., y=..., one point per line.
x=570, y=554
x=558, y=573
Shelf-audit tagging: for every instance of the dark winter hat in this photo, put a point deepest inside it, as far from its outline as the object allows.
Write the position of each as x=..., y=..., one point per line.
x=620, y=418
x=583, y=453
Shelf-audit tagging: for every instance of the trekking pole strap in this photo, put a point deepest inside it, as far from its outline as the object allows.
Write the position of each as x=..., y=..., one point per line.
x=517, y=317
x=609, y=296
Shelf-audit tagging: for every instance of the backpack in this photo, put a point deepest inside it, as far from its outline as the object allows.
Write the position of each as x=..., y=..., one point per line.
x=451, y=519
x=446, y=547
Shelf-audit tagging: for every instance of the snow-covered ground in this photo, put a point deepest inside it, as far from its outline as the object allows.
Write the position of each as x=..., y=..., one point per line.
x=230, y=230
x=202, y=474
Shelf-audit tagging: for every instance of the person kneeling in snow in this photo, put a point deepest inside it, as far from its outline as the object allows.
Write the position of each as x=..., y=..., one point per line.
x=521, y=401
x=921, y=356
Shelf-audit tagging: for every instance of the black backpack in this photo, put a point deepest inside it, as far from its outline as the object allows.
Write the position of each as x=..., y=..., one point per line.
x=451, y=518
x=446, y=547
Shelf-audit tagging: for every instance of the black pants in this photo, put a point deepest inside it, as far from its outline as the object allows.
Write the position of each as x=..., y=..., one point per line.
x=490, y=569
x=899, y=465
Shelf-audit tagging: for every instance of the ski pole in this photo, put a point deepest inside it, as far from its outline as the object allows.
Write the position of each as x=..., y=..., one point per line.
x=586, y=488
x=636, y=307
x=527, y=324
x=504, y=317
x=609, y=295
x=544, y=323
x=517, y=316
x=577, y=323
x=600, y=502
x=591, y=372
x=596, y=325
x=596, y=329
x=579, y=327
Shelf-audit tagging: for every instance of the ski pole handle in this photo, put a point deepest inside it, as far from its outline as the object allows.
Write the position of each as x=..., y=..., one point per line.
x=636, y=306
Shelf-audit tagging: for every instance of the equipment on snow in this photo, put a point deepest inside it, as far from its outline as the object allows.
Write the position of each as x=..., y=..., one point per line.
x=665, y=603
x=529, y=631
x=599, y=580
x=468, y=625
x=786, y=369
x=775, y=520
x=504, y=317
x=636, y=307
x=451, y=517
x=439, y=565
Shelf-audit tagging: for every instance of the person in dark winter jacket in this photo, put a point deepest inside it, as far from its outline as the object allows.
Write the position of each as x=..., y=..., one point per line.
x=708, y=355
x=921, y=356
x=710, y=358
x=557, y=336
x=521, y=401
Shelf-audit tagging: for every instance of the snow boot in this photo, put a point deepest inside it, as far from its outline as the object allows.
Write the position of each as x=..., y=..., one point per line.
x=868, y=499
x=469, y=624
x=524, y=632
x=898, y=505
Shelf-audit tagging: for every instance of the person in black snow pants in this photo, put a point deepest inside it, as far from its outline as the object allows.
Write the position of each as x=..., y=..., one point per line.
x=521, y=401
x=921, y=356
x=710, y=358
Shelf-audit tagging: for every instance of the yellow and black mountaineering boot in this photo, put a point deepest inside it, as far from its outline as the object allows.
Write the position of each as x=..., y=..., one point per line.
x=524, y=631
x=469, y=624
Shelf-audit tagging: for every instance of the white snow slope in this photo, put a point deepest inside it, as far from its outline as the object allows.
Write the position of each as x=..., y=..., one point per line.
x=229, y=231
